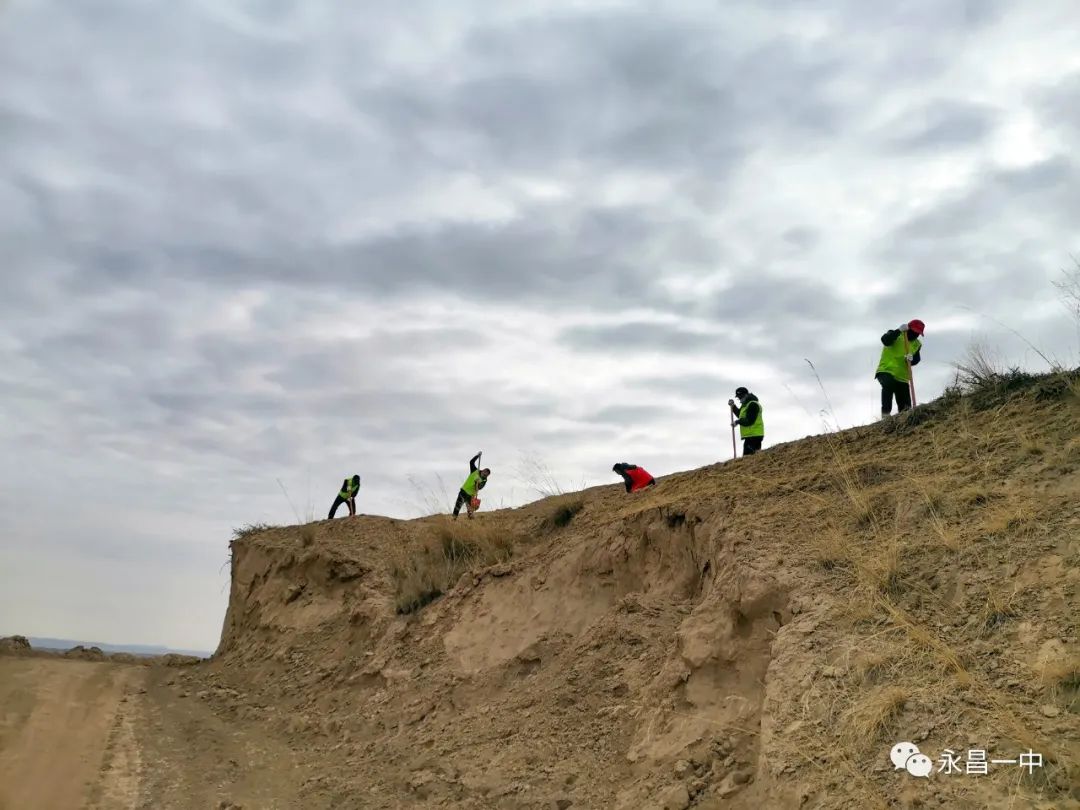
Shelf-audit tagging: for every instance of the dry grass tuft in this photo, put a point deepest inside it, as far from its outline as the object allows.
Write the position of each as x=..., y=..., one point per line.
x=1061, y=678
x=451, y=550
x=244, y=532
x=877, y=569
x=307, y=535
x=565, y=510
x=873, y=714
x=831, y=549
x=980, y=369
x=1000, y=606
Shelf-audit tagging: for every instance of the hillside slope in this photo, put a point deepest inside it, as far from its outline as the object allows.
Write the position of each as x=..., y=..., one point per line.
x=752, y=634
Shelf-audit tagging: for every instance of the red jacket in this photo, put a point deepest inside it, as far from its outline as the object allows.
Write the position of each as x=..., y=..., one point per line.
x=639, y=479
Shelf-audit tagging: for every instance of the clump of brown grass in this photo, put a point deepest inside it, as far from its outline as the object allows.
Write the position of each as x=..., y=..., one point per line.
x=875, y=665
x=979, y=369
x=1061, y=678
x=877, y=568
x=251, y=529
x=451, y=550
x=1001, y=605
x=564, y=511
x=831, y=549
x=872, y=714
x=307, y=535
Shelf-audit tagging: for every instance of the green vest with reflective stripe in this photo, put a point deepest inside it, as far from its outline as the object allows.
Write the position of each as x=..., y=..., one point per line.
x=471, y=484
x=892, y=359
x=349, y=490
x=758, y=426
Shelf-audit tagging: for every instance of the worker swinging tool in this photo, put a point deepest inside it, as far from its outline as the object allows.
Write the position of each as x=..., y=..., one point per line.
x=468, y=495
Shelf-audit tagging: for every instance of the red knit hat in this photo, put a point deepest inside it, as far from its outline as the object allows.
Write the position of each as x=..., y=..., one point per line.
x=917, y=326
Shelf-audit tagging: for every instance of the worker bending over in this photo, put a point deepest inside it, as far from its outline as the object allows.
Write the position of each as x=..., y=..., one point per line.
x=634, y=476
x=900, y=353
x=347, y=496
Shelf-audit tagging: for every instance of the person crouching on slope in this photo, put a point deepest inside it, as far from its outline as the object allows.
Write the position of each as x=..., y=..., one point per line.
x=900, y=353
x=473, y=484
x=347, y=496
x=634, y=477
x=750, y=420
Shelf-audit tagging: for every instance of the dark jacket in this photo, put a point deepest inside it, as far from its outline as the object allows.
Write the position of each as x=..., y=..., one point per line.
x=633, y=476
x=752, y=411
x=893, y=335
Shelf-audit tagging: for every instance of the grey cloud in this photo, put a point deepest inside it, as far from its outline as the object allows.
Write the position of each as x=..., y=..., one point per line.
x=697, y=386
x=636, y=336
x=996, y=239
x=801, y=238
x=656, y=93
x=1047, y=188
x=941, y=125
x=624, y=415
x=779, y=306
x=1059, y=104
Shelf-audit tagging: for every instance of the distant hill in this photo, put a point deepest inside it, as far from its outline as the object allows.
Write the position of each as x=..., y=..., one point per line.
x=134, y=649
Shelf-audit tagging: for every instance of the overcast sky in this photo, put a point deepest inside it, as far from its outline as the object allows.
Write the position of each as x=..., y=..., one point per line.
x=245, y=242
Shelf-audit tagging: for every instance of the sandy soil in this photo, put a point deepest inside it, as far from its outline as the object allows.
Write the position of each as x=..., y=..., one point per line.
x=55, y=726
x=105, y=736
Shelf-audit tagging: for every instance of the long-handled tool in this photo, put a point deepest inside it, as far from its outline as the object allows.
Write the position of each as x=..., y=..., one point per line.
x=910, y=373
x=734, y=452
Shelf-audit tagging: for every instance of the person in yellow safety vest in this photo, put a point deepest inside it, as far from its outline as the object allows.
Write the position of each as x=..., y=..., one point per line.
x=347, y=496
x=749, y=417
x=899, y=353
x=473, y=484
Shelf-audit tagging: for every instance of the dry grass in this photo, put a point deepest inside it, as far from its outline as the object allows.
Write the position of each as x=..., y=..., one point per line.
x=564, y=511
x=1060, y=677
x=430, y=498
x=872, y=714
x=307, y=535
x=249, y=530
x=831, y=548
x=980, y=368
x=452, y=549
x=1001, y=605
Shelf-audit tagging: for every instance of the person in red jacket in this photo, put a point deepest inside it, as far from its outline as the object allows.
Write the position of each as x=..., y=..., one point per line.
x=634, y=477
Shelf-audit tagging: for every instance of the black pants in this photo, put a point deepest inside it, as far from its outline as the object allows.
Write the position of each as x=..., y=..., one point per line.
x=463, y=498
x=338, y=501
x=892, y=388
x=751, y=445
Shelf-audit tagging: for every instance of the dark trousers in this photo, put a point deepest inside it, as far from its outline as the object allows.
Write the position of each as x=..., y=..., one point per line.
x=463, y=498
x=338, y=501
x=751, y=445
x=892, y=388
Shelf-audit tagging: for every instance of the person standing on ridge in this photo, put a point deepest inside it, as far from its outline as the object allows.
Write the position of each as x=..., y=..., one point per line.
x=347, y=496
x=473, y=484
x=749, y=418
x=634, y=476
x=900, y=353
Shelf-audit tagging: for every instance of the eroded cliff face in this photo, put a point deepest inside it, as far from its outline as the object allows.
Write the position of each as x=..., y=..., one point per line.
x=755, y=634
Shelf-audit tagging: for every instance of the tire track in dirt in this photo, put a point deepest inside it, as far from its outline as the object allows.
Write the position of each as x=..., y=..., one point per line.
x=120, y=774
x=55, y=741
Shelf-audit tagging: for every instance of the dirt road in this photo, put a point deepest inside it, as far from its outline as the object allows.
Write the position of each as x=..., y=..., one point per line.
x=55, y=723
x=106, y=736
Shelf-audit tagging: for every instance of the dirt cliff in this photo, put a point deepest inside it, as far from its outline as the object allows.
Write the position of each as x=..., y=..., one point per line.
x=752, y=634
